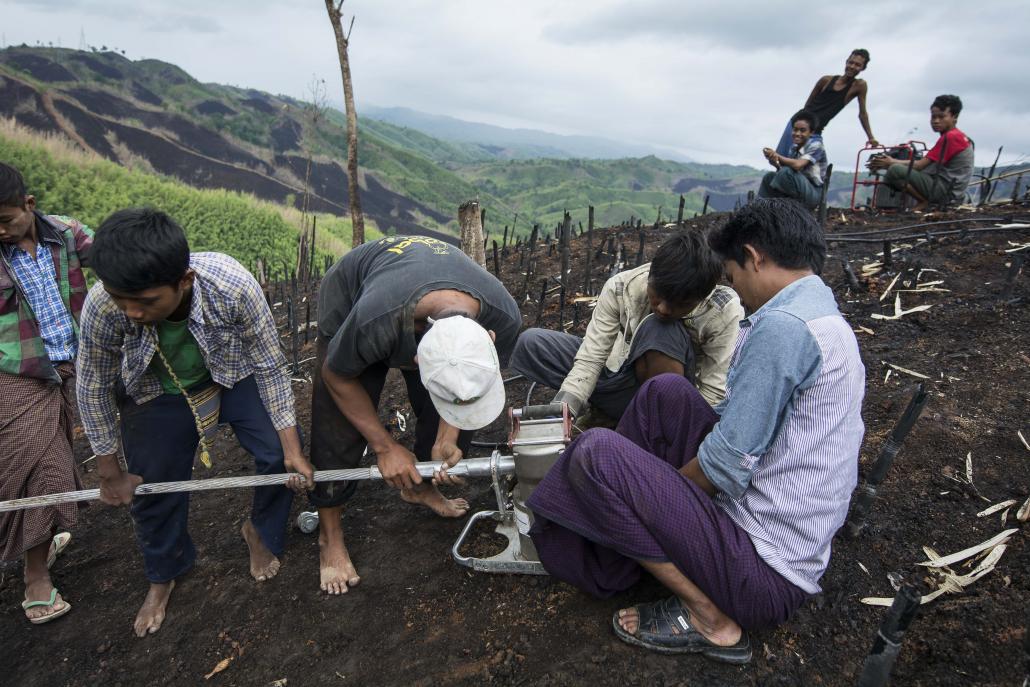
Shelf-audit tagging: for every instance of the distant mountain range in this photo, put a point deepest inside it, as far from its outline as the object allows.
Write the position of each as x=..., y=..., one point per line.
x=416, y=168
x=517, y=144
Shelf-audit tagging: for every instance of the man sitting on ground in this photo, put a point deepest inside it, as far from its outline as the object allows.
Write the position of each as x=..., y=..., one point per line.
x=801, y=174
x=420, y=305
x=665, y=316
x=943, y=175
x=173, y=343
x=733, y=510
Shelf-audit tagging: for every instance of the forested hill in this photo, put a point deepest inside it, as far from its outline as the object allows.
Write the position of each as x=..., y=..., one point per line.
x=153, y=116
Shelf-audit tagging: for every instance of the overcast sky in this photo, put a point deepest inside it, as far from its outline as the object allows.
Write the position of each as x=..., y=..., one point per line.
x=714, y=80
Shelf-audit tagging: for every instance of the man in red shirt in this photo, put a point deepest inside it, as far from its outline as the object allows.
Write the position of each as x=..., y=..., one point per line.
x=943, y=175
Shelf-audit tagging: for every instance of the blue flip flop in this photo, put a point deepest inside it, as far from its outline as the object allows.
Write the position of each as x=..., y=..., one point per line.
x=664, y=626
x=26, y=605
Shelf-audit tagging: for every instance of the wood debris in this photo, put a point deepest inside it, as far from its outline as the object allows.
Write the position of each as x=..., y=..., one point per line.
x=219, y=667
x=913, y=373
x=1023, y=514
x=962, y=555
x=952, y=583
x=898, y=311
x=1023, y=439
x=996, y=507
x=890, y=286
x=866, y=330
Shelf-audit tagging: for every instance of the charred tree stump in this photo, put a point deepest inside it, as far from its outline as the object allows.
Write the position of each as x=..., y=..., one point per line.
x=888, y=257
x=704, y=210
x=540, y=304
x=497, y=262
x=590, y=250
x=679, y=213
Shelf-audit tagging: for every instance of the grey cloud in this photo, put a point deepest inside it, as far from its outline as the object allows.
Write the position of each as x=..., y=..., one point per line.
x=758, y=26
x=189, y=23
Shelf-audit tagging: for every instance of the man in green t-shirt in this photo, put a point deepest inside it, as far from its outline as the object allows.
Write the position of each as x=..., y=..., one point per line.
x=175, y=343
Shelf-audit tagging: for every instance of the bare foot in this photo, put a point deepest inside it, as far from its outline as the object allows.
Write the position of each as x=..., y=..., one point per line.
x=152, y=612
x=40, y=590
x=336, y=571
x=429, y=496
x=263, y=563
x=629, y=619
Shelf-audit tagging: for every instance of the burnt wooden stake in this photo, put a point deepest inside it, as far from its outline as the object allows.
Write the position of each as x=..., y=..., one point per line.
x=307, y=319
x=852, y=278
x=590, y=249
x=876, y=670
x=540, y=305
x=679, y=213
x=862, y=503
x=888, y=258
x=504, y=241
x=1010, y=279
x=575, y=316
x=497, y=262
x=640, y=248
x=291, y=320
x=704, y=210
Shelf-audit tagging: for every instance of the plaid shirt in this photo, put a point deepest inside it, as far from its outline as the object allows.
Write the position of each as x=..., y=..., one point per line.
x=24, y=348
x=38, y=279
x=228, y=317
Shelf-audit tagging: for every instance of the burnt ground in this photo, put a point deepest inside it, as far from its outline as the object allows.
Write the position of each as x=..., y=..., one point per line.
x=418, y=618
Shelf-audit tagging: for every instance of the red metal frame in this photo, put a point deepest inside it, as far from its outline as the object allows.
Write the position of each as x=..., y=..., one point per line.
x=875, y=180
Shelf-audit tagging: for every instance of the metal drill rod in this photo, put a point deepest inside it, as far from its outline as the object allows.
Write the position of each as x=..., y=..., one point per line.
x=470, y=467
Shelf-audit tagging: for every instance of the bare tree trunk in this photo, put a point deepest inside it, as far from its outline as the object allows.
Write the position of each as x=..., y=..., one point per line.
x=472, y=231
x=357, y=219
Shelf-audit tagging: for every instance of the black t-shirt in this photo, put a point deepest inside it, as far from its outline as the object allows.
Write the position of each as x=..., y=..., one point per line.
x=366, y=303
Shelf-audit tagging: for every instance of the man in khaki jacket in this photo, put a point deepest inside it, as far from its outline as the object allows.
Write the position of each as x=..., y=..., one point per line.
x=666, y=316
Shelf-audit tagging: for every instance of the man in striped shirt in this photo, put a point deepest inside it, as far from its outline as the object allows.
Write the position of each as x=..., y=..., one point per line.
x=801, y=174
x=174, y=342
x=732, y=510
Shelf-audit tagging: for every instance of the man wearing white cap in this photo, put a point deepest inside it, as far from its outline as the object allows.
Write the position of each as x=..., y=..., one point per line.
x=422, y=306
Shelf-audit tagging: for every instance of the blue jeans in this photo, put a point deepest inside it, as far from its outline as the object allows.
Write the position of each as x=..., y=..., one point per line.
x=160, y=440
x=787, y=183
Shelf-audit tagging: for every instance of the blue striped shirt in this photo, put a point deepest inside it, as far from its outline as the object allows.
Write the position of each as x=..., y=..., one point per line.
x=784, y=454
x=38, y=279
x=233, y=327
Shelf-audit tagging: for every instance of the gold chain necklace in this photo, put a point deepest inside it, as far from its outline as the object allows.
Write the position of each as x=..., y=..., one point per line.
x=205, y=456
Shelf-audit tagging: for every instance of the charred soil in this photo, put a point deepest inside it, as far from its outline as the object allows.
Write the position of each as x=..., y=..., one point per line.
x=418, y=618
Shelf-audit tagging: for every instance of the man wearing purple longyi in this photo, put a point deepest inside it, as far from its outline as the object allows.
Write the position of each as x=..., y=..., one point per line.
x=734, y=509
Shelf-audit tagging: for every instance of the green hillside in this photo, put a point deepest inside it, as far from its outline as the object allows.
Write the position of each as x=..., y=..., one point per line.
x=154, y=116
x=69, y=182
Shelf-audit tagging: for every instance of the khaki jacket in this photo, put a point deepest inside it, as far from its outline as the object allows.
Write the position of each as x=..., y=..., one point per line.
x=622, y=305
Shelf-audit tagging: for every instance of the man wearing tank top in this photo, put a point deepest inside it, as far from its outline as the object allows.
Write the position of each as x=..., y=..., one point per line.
x=831, y=94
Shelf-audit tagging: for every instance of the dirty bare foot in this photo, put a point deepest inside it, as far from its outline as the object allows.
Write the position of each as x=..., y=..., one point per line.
x=336, y=570
x=263, y=563
x=429, y=496
x=152, y=612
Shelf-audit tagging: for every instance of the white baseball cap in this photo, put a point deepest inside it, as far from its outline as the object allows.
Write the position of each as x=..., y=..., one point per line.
x=458, y=365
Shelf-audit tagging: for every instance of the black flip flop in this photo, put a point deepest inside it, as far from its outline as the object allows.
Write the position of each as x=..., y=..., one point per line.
x=664, y=627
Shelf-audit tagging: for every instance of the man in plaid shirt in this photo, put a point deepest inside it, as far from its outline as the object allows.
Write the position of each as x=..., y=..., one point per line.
x=41, y=292
x=170, y=338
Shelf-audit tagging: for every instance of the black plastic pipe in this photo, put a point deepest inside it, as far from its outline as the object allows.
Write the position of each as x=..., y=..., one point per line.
x=876, y=670
x=866, y=494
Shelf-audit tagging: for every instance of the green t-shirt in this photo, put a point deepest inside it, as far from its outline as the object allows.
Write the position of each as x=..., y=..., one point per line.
x=183, y=354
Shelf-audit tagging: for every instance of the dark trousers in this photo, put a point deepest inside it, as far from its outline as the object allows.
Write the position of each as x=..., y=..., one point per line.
x=615, y=498
x=337, y=445
x=160, y=440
